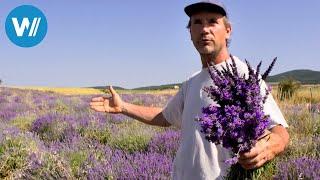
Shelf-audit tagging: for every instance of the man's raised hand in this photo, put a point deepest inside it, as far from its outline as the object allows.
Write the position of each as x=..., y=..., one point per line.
x=111, y=104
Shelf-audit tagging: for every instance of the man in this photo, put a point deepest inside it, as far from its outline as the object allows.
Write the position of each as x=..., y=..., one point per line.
x=196, y=158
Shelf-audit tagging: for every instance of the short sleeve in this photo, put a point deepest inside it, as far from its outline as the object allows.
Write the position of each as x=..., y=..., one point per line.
x=173, y=110
x=272, y=109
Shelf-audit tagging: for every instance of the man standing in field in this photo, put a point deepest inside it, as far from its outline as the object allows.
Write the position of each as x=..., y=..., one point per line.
x=197, y=158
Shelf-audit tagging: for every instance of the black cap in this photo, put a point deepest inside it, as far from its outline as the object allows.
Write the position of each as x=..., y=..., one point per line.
x=206, y=5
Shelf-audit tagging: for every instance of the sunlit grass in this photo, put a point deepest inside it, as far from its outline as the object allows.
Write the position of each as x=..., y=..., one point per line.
x=65, y=91
x=87, y=91
x=305, y=94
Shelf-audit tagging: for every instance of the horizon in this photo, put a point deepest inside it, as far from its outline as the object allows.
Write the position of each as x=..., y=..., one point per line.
x=155, y=85
x=133, y=44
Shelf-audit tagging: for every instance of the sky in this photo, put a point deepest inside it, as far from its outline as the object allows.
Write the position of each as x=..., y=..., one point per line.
x=141, y=43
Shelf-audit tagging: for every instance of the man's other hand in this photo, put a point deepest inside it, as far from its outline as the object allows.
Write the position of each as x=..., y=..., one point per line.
x=111, y=104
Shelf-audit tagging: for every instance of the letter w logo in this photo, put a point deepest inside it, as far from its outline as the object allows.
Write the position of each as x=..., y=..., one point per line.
x=25, y=25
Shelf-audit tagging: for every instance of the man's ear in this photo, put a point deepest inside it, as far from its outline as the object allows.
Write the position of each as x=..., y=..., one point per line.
x=228, y=30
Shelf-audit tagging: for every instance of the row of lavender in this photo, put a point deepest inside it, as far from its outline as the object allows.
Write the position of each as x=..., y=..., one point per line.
x=46, y=135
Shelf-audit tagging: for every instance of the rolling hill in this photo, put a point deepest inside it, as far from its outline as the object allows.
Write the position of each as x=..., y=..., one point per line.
x=303, y=75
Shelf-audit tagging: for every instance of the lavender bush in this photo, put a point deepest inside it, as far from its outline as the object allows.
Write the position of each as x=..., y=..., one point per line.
x=54, y=127
x=299, y=168
x=165, y=143
x=23, y=156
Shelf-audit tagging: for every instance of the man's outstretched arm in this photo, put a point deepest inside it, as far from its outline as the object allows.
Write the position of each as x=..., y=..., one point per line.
x=114, y=104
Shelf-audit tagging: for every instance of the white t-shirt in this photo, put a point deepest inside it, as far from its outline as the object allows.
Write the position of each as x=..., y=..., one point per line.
x=197, y=158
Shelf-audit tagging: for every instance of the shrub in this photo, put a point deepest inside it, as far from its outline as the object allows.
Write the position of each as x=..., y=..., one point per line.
x=45, y=165
x=299, y=168
x=287, y=88
x=140, y=165
x=76, y=159
x=165, y=143
x=136, y=143
x=101, y=135
x=53, y=127
x=23, y=156
x=23, y=122
x=13, y=155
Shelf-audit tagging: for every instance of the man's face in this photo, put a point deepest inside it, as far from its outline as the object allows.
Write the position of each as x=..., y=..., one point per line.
x=209, y=32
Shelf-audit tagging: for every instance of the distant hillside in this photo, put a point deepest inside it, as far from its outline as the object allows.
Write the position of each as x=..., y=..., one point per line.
x=302, y=75
x=161, y=87
x=104, y=87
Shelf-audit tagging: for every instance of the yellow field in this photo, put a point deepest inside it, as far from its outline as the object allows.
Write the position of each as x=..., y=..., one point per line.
x=65, y=91
x=87, y=91
x=303, y=95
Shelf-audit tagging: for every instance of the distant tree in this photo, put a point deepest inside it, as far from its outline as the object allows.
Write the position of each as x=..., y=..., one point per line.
x=0, y=81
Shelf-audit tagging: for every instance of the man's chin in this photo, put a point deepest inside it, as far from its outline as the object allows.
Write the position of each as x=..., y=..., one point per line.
x=207, y=52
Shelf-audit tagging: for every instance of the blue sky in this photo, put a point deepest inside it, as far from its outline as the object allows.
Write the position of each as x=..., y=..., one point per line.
x=141, y=43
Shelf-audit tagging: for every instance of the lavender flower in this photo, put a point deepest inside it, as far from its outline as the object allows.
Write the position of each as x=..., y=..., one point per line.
x=165, y=143
x=238, y=120
x=299, y=168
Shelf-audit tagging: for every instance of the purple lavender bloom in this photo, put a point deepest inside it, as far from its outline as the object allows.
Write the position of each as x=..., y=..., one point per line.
x=116, y=118
x=7, y=115
x=166, y=143
x=141, y=165
x=55, y=127
x=299, y=168
x=122, y=165
x=238, y=120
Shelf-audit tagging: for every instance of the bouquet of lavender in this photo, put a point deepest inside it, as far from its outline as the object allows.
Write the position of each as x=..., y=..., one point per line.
x=238, y=120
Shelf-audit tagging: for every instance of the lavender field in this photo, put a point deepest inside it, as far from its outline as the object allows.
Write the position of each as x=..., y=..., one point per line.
x=46, y=135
